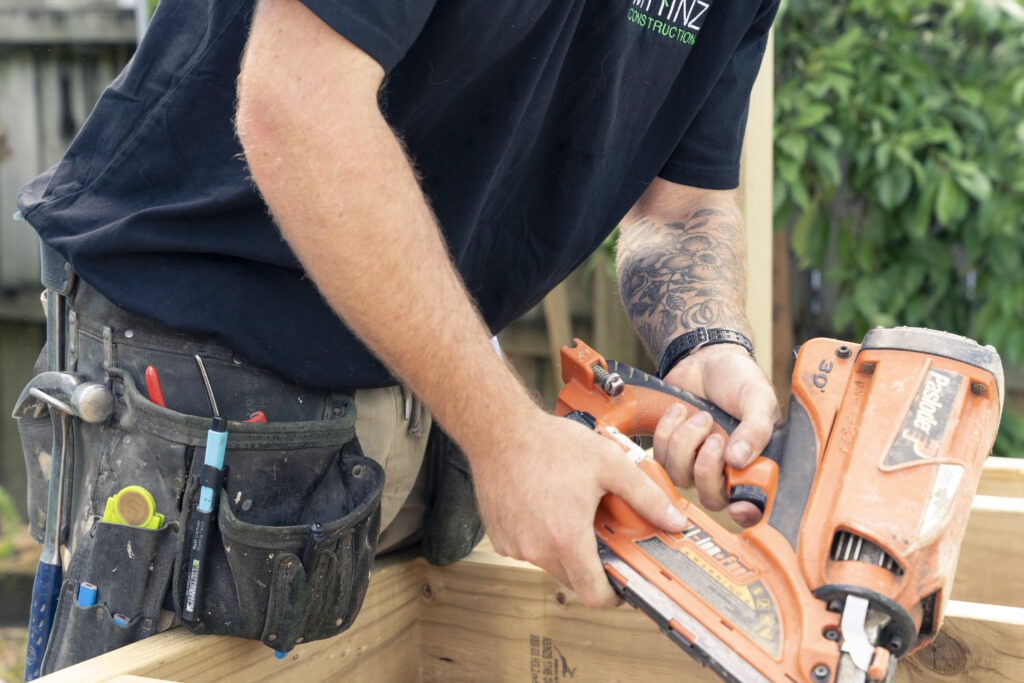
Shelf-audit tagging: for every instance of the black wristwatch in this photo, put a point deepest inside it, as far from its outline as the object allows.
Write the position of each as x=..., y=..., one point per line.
x=685, y=344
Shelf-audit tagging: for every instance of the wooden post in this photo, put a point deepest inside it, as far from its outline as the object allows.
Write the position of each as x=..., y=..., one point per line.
x=755, y=198
x=558, y=316
x=614, y=336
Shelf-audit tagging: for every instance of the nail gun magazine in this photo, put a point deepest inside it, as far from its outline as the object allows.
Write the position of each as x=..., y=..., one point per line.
x=865, y=491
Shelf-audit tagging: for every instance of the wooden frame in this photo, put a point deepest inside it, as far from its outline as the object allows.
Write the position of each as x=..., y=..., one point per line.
x=489, y=618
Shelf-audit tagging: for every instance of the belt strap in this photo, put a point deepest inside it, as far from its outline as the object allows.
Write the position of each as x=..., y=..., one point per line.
x=57, y=274
x=58, y=278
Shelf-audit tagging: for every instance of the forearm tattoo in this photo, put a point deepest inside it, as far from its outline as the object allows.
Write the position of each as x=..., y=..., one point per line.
x=674, y=277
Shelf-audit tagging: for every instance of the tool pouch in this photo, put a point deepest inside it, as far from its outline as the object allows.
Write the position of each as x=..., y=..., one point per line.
x=36, y=433
x=452, y=526
x=269, y=576
x=265, y=579
x=130, y=567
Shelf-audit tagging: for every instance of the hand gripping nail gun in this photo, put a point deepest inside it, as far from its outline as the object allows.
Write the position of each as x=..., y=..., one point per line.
x=865, y=493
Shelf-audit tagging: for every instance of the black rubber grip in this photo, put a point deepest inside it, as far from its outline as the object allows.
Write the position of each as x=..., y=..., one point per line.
x=211, y=477
x=749, y=494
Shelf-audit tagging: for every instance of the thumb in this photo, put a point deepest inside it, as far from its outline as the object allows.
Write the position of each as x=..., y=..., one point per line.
x=648, y=499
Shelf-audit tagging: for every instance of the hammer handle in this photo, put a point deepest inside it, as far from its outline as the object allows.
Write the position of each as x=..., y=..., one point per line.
x=45, y=591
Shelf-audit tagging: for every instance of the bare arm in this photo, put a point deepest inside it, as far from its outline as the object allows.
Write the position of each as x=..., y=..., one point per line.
x=347, y=201
x=682, y=264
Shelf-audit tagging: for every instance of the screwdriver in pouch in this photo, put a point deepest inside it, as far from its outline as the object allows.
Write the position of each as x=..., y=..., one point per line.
x=209, y=490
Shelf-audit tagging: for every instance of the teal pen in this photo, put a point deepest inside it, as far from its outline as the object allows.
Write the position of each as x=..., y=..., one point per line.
x=209, y=487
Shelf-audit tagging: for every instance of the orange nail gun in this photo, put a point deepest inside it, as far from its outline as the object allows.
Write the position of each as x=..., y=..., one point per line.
x=865, y=493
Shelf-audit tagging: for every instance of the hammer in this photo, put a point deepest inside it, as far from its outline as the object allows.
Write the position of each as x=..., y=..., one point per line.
x=64, y=395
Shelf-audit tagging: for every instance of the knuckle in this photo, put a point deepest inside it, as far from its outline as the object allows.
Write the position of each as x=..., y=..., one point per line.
x=679, y=470
x=712, y=501
x=701, y=467
x=709, y=464
x=683, y=439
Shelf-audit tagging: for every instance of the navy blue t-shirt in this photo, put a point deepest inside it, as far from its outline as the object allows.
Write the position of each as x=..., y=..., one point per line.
x=534, y=126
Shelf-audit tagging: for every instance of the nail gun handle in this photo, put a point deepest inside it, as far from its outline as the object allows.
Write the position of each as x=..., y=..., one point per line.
x=755, y=483
x=640, y=405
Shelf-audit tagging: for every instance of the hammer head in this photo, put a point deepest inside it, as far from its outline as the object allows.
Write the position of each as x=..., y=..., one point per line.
x=66, y=392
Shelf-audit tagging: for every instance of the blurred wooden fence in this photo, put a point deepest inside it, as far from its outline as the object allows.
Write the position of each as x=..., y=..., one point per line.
x=56, y=56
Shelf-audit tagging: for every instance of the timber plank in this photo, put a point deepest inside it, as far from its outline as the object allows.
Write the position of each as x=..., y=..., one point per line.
x=1002, y=477
x=558, y=317
x=381, y=646
x=494, y=619
x=754, y=197
x=977, y=644
x=489, y=618
x=992, y=553
x=488, y=615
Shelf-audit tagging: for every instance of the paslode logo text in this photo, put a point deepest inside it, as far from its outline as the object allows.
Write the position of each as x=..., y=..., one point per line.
x=930, y=401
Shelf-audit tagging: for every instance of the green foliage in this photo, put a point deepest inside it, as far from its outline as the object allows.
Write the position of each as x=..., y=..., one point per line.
x=900, y=162
x=899, y=147
x=1011, y=436
x=9, y=523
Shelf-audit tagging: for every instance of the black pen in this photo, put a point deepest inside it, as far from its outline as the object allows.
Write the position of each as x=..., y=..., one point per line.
x=314, y=537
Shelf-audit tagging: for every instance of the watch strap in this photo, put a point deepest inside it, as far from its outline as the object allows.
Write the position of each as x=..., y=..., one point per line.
x=689, y=342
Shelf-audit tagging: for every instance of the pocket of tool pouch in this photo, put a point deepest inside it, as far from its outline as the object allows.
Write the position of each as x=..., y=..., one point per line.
x=256, y=585
x=36, y=442
x=130, y=568
x=279, y=478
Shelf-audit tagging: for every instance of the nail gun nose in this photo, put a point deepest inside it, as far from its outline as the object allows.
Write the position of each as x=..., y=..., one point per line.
x=68, y=393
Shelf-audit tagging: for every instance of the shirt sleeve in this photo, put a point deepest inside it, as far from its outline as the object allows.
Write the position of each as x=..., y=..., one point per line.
x=383, y=29
x=709, y=154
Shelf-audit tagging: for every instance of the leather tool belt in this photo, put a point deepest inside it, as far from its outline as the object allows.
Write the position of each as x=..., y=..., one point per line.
x=290, y=554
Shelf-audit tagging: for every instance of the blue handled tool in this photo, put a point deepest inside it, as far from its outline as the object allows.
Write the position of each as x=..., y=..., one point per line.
x=209, y=488
x=64, y=396
x=49, y=572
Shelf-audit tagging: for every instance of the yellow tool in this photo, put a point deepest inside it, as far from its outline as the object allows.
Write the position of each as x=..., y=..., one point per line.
x=133, y=506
